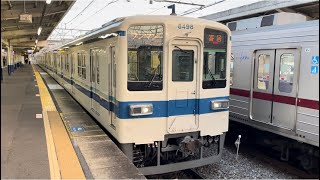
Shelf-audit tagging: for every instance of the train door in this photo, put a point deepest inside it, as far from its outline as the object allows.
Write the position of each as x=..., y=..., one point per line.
x=112, y=85
x=72, y=73
x=93, y=67
x=92, y=79
x=285, y=88
x=275, y=87
x=263, y=86
x=182, y=90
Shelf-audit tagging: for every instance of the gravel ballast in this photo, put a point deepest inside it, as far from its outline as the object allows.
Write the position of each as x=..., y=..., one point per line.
x=246, y=167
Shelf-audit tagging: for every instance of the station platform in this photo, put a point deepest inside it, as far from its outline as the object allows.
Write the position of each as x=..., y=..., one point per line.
x=23, y=141
x=65, y=142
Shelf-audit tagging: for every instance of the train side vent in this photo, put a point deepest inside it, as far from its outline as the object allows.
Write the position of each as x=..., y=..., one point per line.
x=232, y=26
x=267, y=21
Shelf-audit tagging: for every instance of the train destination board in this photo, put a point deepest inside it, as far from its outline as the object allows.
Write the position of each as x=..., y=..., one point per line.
x=215, y=39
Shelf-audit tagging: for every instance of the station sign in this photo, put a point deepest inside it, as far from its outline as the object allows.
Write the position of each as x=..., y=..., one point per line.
x=27, y=18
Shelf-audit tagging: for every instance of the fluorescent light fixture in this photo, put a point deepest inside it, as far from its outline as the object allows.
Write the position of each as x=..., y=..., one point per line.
x=79, y=43
x=39, y=30
x=36, y=41
x=109, y=35
x=48, y=1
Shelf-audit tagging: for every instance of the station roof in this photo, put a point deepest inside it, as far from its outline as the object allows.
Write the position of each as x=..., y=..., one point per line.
x=306, y=7
x=20, y=31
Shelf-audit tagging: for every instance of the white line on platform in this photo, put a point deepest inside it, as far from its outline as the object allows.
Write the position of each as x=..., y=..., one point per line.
x=38, y=116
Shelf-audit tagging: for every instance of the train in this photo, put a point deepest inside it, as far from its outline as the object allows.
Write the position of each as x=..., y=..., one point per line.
x=158, y=84
x=275, y=83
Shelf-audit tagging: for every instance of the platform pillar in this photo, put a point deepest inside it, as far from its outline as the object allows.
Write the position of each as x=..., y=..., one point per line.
x=1, y=62
x=10, y=60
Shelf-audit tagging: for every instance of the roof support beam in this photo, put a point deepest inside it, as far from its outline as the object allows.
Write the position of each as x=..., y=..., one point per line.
x=31, y=44
x=10, y=5
x=285, y=10
x=4, y=41
x=33, y=31
x=14, y=14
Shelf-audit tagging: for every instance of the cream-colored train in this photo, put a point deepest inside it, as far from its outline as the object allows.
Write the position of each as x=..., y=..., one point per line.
x=158, y=84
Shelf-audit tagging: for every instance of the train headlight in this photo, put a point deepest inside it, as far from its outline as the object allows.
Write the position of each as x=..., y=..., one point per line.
x=141, y=109
x=219, y=104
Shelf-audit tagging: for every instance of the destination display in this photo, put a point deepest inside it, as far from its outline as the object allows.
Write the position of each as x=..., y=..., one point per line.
x=215, y=39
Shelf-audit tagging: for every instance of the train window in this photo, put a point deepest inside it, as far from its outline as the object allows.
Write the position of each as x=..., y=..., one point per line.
x=62, y=62
x=67, y=63
x=55, y=61
x=145, y=57
x=286, y=73
x=59, y=59
x=182, y=65
x=79, y=65
x=98, y=74
x=84, y=75
x=231, y=69
x=214, y=59
x=263, y=71
x=93, y=75
x=72, y=63
x=214, y=68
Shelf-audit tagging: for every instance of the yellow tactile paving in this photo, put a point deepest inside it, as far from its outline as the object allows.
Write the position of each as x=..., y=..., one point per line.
x=64, y=163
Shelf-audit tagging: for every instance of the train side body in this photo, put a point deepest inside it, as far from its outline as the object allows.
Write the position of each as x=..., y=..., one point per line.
x=275, y=80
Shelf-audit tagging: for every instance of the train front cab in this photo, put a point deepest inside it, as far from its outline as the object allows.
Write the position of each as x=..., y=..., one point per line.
x=188, y=90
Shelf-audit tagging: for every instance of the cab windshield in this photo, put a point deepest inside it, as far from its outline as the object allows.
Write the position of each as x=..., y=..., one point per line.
x=145, y=58
x=214, y=59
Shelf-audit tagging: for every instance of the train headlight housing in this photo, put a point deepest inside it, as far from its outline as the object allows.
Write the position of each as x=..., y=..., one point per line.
x=219, y=104
x=141, y=109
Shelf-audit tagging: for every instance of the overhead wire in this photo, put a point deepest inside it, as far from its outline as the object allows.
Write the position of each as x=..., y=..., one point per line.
x=201, y=8
x=80, y=12
x=157, y=9
x=113, y=1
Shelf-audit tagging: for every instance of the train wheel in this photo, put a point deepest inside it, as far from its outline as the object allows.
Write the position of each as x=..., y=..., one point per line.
x=306, y=162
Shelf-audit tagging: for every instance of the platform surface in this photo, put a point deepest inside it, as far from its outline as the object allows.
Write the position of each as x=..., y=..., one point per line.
x=99, y=156
x=23, y=142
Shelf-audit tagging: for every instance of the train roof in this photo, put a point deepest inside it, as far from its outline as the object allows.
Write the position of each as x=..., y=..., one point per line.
x=123, y=23
x=301, y=25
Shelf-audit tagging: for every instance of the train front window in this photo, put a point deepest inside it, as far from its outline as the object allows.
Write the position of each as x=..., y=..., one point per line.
x=182, y=65
x=145, y=58
x=214, y=59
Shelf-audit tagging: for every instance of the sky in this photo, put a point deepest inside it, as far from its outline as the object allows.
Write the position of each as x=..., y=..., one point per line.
x=85, y=15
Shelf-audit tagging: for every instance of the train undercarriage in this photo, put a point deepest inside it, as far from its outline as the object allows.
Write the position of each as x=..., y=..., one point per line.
x=176, y=152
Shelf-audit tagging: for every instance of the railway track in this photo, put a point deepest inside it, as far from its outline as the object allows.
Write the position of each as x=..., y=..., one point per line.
x=184, y=174
x=193, y=174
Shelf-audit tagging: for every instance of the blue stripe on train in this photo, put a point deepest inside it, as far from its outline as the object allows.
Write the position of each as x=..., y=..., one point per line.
x=160, y=108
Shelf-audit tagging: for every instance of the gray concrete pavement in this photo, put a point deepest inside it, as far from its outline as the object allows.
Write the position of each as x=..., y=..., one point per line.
x=23, y=143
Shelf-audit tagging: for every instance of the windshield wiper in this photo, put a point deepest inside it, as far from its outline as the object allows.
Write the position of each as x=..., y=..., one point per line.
x=212, y=77
x=182, y=50
x=153, y=77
